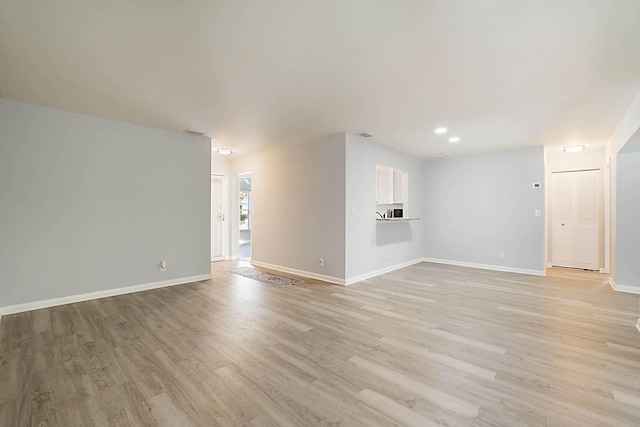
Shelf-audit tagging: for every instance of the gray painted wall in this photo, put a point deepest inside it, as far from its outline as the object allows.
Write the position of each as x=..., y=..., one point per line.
x=298, y=195
x=368, y=242
x=88, y=204
x=477, y=206
x=628, y=220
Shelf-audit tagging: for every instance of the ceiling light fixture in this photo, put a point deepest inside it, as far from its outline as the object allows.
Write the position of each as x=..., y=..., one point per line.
x=454, y=139
x=440, y=131
x=574, y=148
x=224, y=151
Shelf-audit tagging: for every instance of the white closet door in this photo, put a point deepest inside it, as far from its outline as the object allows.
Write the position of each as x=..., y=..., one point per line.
x=587, y=221
x=562, y=241
x=217, y=217
x=575, y=222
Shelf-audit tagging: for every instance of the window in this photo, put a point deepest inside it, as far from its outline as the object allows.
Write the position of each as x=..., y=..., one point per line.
x=245, y=206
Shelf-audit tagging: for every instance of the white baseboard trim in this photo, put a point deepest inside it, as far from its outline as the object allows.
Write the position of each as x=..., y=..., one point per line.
x=333, y=279
x=486, y=266
x=638, y=325
x=355, y=279
x=36, y=305
x=231, y=257
x=330, y=279
x=621, y=288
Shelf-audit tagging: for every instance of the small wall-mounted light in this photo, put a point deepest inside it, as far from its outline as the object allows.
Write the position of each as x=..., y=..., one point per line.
x=224, y=151
x=574, y=148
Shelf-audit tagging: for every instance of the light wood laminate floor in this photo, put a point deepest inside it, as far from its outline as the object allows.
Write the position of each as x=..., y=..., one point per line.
x=425, y=345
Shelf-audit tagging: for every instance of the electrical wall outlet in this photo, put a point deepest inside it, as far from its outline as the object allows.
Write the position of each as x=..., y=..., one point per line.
x=163, y=265
x=321, y=262
x=388, y=255
x=500, y=255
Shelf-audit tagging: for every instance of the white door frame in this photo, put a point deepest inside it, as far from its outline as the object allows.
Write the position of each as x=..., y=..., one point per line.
x=599, y=214
x=225, y=219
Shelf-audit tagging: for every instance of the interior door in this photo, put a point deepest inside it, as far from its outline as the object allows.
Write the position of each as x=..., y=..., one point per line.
x=575, y=220
x=217, y=217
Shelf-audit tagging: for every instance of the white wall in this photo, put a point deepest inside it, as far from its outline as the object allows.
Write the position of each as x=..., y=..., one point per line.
x=368, y=243
x=627, y=127
x=89, y=205
x=220, y=164
x=298, y=195
x=559, y=161
x=477, y=206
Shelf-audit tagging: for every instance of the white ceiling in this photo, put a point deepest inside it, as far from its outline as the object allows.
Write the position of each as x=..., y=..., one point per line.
x=498, y=73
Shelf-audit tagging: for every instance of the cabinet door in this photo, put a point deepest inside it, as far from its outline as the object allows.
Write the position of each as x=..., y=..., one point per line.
x=384, y=187
x=398, y=186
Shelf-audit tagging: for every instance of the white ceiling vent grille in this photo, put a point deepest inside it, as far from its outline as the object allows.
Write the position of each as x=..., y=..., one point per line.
x=192, y=132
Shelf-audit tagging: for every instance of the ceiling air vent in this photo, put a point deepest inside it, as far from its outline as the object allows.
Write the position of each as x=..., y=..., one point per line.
x=365, y=134
x=192, y=132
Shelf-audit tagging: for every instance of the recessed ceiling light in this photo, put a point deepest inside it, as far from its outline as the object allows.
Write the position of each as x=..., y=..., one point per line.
x=574, y=148
x=440, y=130
x=454, y=139
x=225, y=151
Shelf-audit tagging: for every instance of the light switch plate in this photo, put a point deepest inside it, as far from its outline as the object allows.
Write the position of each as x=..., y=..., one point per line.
x=538, y=212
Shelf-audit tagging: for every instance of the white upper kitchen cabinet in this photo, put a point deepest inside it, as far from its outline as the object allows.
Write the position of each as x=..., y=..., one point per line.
x=398, y=186
x=390, y=186
x=384, y=187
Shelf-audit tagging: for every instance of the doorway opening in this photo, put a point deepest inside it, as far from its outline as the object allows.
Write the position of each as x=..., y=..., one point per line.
x=246, y=208
x=218, y=217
